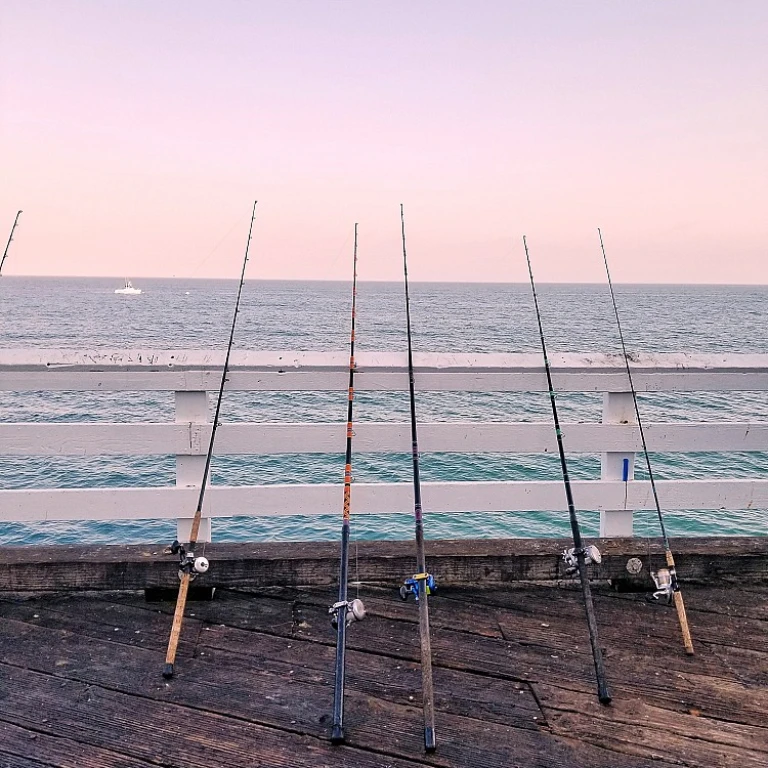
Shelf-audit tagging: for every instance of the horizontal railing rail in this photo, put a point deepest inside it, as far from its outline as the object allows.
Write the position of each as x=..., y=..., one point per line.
x=191, y=374
x=371, y=498
x=147, y=439
x=195, y=370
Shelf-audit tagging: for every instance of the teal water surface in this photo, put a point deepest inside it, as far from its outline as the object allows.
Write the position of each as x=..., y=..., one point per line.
x=82, y=313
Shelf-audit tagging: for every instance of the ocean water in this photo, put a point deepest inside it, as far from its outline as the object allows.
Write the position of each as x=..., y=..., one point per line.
x=83, y=313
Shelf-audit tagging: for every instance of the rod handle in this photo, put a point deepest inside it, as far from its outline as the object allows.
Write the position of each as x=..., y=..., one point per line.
x=683, y=619
x=680, y=607
x=427, y=684
x=178, y=617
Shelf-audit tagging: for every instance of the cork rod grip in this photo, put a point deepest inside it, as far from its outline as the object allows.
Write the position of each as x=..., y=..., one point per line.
x=680, y=606
x=178, y=617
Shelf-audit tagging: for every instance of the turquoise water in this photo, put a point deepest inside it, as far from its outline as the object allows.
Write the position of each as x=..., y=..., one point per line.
x=84, y=312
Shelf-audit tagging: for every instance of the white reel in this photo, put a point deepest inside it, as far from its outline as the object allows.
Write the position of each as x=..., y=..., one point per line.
x=663, y=581
x=354, y=610
x=201, y=565
x=591, y=555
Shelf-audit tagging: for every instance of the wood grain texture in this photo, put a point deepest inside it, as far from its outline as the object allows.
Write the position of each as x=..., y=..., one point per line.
x=513, y=681
x=455, y=563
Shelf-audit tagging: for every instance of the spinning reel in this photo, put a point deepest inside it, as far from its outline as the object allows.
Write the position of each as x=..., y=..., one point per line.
x=188, y=563
x=354, y=610
x=665, y=582
x=411, y=586
x=571, y=558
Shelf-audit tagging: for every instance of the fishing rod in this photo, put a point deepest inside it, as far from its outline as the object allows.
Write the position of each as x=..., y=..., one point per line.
x=344, y=611
x=577, y=558
x=422, y=583
x=10, y=237
x=189, y=565
x=665, y=579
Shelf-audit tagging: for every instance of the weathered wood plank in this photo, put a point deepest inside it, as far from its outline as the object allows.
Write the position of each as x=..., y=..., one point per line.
x=251, y=615
x=639, y=729
x=727, y=601
x=456, y=563
x=249, y=647
x=559, y=653
x=25, y=748
x=657, y=621
x=161, y=732
x=57, y=359
x=243, y=647
x=181, y=370
x=16, y=761
x=382, y=727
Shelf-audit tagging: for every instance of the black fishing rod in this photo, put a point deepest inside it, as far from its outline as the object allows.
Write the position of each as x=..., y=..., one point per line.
x=10, y=237
x=189, y=565
x=665, y=579
x=344, y=611
x=579, y=557
x=422, y=583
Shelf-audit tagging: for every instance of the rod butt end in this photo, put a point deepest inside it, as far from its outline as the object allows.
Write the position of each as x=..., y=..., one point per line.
x=604, y=697
x=168, y=671
x=337, y=735
x=430, y=745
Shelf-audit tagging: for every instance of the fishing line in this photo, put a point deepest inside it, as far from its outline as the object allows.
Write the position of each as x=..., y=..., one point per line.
x=665, y=579
x=190, y=565
x=216, y=247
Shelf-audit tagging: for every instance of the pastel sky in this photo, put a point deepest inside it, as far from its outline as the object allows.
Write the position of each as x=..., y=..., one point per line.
x=135, y=136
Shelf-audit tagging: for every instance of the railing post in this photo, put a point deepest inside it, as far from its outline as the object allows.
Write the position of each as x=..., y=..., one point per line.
x=192, y=409
x=618, y=408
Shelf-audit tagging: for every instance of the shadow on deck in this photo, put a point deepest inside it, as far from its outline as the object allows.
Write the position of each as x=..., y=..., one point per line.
x=81, y=685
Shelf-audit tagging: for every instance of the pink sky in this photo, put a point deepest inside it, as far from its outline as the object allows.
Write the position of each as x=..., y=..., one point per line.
x=136, y=135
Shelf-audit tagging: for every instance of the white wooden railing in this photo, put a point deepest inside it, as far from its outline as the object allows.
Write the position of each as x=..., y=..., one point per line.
x=193, y=374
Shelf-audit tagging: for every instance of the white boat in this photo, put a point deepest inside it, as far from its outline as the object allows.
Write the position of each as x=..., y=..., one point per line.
x=128, y=289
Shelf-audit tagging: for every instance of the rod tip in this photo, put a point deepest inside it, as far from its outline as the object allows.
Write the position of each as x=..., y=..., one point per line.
x=168, y=671
x=337, y=735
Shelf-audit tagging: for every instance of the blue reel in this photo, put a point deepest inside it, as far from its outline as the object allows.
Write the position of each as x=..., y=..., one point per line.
x=411, y=586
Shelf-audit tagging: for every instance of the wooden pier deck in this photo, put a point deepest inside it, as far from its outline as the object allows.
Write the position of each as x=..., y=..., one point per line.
x=81, y=685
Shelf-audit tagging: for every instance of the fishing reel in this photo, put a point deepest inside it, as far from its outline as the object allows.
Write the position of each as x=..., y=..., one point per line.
x=665, y=583
x=354, y=610
x=411, y=586
x=571, y=558
x=188, y=563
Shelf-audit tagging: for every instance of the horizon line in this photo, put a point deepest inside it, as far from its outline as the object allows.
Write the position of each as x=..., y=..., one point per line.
x=393, y=282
